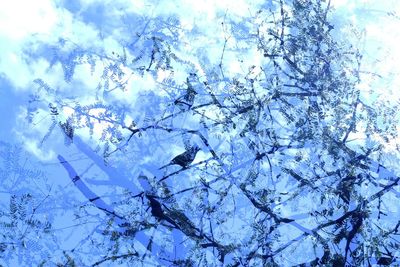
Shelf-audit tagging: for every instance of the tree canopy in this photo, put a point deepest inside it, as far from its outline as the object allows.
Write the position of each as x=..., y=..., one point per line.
x=248, y=144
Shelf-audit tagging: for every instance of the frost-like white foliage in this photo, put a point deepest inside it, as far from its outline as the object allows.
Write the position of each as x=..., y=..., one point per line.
x=205, y=133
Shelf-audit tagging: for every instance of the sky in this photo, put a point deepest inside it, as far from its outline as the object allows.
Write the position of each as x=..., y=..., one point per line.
x=96, y=25
x=82, y=22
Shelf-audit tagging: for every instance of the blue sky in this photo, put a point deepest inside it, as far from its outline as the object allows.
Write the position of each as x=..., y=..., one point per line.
x=97, y=25
x=30, y=29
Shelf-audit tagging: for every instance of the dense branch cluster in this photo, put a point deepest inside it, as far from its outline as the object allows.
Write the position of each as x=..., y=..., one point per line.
x=240, y=168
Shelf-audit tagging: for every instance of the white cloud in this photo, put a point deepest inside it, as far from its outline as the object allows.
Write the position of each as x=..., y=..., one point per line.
x=203, y=38
x=32, y=146
x=20, y=18
x=24, y=25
